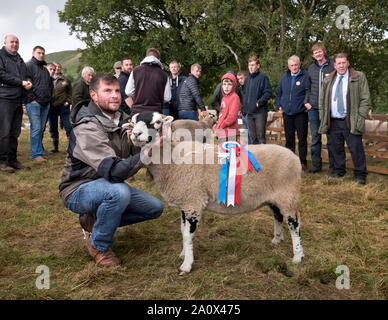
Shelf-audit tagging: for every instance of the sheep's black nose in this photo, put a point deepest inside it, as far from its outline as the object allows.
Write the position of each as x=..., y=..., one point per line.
x=136, y=134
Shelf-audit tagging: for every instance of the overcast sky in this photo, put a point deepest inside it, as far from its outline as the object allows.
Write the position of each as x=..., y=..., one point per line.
x=36, y=22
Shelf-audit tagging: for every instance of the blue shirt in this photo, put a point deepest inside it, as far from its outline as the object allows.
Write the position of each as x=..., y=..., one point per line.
x=334, y=109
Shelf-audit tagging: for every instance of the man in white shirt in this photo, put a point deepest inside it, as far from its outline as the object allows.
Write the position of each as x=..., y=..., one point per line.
x=148, y=87
x=343, y=108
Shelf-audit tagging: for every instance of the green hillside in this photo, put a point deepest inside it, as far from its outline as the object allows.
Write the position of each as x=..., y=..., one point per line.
x=70, y=61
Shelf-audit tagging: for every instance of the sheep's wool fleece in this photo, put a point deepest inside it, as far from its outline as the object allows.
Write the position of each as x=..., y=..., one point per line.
x=194, y=187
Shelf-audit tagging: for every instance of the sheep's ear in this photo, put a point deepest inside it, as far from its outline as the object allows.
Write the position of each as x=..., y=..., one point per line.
x=168, y=120
x=166, y=129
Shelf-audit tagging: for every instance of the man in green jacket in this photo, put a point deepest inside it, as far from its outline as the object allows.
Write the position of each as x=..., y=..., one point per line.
x=60, y=106
x=81, y=88
x=343, y=107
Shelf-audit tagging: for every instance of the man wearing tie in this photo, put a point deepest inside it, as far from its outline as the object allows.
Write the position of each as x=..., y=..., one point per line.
x=343, y=107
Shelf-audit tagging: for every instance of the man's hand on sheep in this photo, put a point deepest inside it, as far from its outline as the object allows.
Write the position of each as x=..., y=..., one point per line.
x=129, y=127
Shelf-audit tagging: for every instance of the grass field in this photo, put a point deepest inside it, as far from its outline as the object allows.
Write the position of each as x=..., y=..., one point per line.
x=343, y=223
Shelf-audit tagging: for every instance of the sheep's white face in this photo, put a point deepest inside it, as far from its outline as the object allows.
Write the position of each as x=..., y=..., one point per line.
x=212, y=116
x=147, y=127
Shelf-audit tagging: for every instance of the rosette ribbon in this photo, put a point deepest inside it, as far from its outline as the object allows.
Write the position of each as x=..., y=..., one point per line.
x=230, y=176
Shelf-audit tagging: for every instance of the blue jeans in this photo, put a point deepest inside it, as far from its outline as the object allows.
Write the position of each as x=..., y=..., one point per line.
x=245, y=124
x=166, y=111
x=316, y=142
x=113, y=205
x=64, y=113
x=188, y=114
x=38, y=117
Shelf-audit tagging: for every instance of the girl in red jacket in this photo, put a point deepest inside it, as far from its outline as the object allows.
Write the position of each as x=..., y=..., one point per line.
x=227, y=126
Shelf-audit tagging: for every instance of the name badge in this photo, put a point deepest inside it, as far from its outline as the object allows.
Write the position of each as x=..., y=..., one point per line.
x=297, y=83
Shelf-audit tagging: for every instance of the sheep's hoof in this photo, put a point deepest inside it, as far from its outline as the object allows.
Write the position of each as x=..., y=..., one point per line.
x=182, y=273
x=276, y=240
x=298, y=258
x=185, y=268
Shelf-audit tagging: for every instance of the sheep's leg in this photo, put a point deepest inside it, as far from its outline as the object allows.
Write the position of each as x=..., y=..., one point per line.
x=183, y=222
x=293, y=226
x=189, y=228
x=278, y=227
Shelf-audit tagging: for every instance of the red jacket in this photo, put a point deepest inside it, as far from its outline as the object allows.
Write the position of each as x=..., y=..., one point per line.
x=227, y=125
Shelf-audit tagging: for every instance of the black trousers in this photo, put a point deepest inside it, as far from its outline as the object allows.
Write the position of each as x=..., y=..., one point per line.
x=257, y=127
x=339, y=133
x=11, y=114
x=298, y=123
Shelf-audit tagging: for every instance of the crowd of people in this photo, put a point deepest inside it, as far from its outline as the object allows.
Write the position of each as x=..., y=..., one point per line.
x=330, y=95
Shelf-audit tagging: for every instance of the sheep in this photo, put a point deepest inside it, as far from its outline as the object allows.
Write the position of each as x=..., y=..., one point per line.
x=192, y=185
x=195, y=130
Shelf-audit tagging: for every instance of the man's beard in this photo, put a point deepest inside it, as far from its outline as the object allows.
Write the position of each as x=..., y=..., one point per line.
x=107, y=110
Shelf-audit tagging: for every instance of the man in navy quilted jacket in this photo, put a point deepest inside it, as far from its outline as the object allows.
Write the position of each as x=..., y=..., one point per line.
x=290, y=95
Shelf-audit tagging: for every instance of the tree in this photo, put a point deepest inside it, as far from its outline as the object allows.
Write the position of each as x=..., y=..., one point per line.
x=220, y=35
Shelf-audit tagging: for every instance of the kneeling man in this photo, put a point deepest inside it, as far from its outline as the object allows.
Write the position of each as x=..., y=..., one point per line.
x=97, y=164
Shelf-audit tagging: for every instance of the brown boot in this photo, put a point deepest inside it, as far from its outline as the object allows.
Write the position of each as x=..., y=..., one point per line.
x=17, y=165
x=102, y=258
x=6, y=168
x=46, y=153
x=87, y=222
x=149, y=176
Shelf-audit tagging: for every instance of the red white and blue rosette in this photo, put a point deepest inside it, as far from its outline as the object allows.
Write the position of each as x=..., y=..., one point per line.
x=230, y=177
